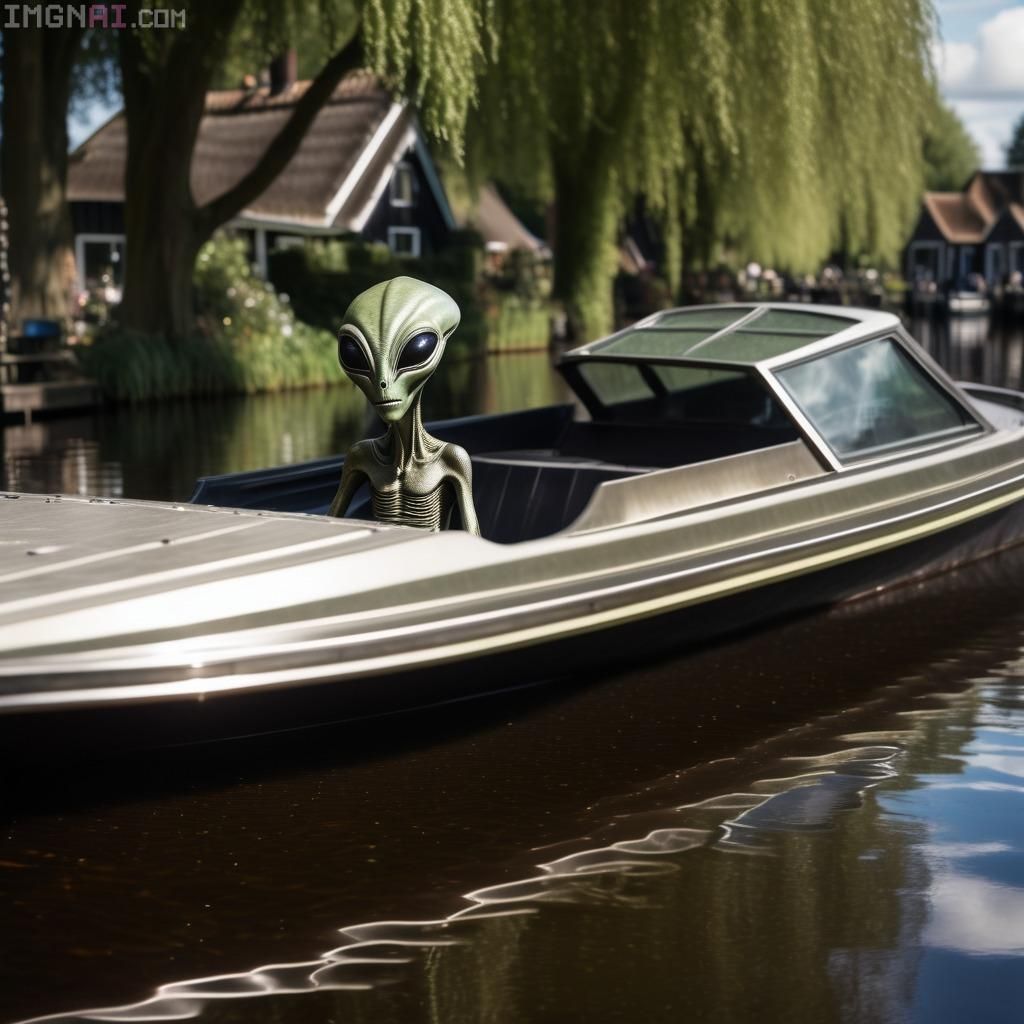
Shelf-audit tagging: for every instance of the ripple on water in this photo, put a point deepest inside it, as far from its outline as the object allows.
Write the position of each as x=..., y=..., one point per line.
x=896, y=856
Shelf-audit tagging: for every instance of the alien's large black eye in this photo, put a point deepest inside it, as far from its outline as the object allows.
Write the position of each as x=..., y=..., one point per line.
x=418, y=349
x=351, y=355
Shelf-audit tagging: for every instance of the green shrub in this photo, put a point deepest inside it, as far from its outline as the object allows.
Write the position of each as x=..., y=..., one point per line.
x=514, y=323
x=324, y=276
x=248, y=339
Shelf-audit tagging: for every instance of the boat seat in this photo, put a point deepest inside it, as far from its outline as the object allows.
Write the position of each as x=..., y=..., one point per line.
x=518, y=499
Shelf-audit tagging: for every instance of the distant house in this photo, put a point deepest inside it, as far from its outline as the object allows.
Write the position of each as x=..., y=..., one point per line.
x=362, y=168
x=501, y=230
x=977, y=231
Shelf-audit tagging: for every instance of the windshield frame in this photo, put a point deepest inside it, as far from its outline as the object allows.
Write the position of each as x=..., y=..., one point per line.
x=976, y=425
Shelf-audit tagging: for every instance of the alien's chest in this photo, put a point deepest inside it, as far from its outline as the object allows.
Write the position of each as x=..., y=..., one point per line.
x=419, y=496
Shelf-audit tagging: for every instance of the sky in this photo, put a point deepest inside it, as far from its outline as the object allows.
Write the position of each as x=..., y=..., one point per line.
x=979, y=61
x=980, y=64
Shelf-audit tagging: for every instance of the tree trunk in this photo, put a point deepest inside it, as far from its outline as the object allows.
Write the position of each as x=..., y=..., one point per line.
x=160, y=216
x=164, y=104
x=587, y=212
x=164, y=99
x=36, y=82
x=162, y=243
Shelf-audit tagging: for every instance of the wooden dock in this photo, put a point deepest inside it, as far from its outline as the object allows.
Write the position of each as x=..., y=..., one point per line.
x=19, y=403
x=42, y=384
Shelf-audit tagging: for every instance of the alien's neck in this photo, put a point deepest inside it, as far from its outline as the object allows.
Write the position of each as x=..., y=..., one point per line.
x=405, y=438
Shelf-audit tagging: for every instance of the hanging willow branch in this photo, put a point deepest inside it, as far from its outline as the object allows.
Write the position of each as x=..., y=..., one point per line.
x=795, y=125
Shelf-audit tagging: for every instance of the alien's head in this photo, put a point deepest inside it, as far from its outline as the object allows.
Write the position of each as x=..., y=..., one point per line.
x=392, y=340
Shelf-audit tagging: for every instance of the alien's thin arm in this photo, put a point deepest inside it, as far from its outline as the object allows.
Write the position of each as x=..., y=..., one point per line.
x=460, y=476
x=464, y=500
x=351, y=480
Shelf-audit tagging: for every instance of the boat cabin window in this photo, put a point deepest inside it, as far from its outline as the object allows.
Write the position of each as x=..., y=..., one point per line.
x=676, y=393
x=872, y=398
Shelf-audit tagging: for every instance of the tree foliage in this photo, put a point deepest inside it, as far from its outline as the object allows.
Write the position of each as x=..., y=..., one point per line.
x=1015, y=150
x=792, y=127
x=950, y=154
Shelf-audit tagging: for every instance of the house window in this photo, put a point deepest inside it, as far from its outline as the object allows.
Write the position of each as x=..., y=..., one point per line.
x=966, y=260
x=404, y=241
x=403, y=186
x=925, y=262
x=1017, y=257
x=99, y=261
x=993, y=263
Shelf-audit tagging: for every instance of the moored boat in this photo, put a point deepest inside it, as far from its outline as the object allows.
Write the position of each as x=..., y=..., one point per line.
x=722, y=466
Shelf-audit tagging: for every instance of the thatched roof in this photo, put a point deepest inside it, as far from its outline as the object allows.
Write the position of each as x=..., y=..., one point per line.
x=332, y=181
x=965, y=218
x=500, y=228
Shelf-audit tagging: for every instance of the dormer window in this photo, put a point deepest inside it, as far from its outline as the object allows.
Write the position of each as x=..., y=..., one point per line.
x=403, y=185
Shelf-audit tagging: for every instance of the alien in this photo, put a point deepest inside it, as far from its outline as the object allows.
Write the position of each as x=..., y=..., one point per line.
x=390, y=344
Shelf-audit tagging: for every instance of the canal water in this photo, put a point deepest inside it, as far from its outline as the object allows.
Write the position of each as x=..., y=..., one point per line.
x=823, y=821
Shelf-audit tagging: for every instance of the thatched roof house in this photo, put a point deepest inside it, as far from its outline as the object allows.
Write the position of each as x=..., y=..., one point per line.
x=979, y=230
x=362, y=168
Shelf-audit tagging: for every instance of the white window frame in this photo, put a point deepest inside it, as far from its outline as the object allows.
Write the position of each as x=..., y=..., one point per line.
x=284, y=242
x=413, y=233
x=965, y=259
x=921, y=247
x=995, y=266
x=259, y=248
x=80, y=243
x=1016, y=257
x=402, y=167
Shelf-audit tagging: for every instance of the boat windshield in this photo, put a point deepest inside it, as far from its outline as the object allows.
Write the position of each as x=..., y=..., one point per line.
x=674, y=392
x=723, y=334
x=874, y=397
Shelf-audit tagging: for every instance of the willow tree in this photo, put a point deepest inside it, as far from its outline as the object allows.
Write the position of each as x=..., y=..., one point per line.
x=793, y=124
x=424, y=48
x=951, y=155
x=1015, y=150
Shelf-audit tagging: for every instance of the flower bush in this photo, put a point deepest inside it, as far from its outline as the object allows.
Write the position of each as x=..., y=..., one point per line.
x=247, y=339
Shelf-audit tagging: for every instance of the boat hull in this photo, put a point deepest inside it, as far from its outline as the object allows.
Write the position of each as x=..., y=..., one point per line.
x=214, y=717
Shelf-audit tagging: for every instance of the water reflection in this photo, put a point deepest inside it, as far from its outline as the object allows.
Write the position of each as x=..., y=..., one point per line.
x=887, y=883
x=158, y=451
x=974, y=348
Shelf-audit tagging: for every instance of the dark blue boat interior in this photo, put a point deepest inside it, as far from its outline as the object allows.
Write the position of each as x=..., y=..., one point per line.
x=533, y=471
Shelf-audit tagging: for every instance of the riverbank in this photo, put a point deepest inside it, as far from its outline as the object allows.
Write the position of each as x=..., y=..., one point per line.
x=253, y=338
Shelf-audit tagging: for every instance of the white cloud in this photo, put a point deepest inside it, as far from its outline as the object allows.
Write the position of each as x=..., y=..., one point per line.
x=953, y=7
x=973, y=915
x=990, y=122
x=989, y=67
x=956, y=63
x=981, y=71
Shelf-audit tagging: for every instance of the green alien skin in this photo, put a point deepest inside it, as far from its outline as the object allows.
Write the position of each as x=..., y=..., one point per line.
x=391, y=342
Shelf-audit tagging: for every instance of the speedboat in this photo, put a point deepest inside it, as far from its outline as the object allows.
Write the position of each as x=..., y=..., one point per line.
x=969, y=297
x=721, y=466
x=965, y=303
